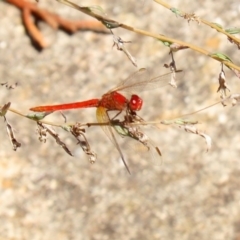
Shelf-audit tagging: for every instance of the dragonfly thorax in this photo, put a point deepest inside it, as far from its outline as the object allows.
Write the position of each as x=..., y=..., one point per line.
x=113, y=101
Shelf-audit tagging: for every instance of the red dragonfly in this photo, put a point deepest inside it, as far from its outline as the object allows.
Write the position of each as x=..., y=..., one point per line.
x=115, y=101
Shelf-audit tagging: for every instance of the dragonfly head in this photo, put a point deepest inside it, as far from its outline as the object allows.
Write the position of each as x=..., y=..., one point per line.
x=135, y=103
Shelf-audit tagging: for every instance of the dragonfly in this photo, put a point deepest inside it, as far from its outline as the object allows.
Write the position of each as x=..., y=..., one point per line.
x=113, y=100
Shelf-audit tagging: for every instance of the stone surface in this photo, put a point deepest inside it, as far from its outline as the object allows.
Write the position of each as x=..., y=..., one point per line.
x=46, y=194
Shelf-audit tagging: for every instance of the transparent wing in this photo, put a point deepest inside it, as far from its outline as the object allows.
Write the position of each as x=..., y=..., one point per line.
x=102, y=117
x=141, y=81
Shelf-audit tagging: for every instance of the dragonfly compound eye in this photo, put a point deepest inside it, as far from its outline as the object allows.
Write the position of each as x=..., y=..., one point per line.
x=135, y=103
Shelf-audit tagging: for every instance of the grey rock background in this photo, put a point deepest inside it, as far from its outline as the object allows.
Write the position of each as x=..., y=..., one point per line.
x=46, y=194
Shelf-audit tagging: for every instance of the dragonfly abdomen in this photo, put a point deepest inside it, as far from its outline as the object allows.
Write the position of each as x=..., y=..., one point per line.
x=84, y=104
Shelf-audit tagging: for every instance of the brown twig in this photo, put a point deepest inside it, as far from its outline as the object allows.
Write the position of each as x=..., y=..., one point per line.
x=55, y=21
